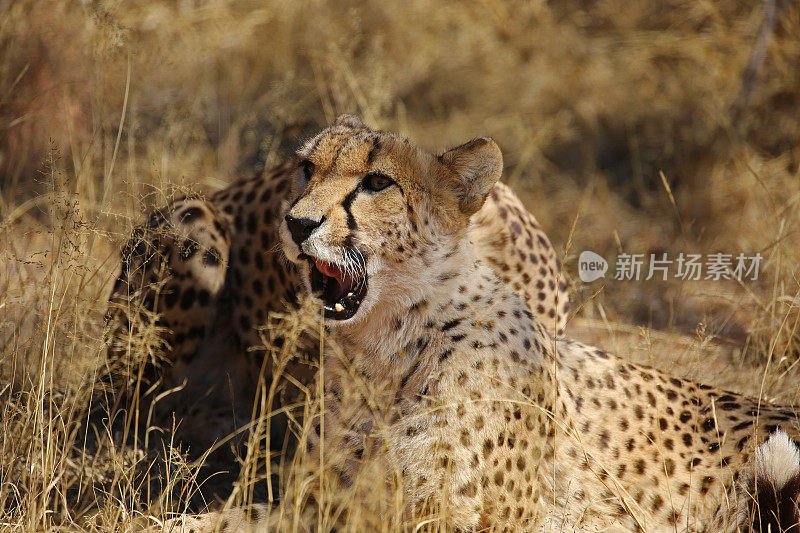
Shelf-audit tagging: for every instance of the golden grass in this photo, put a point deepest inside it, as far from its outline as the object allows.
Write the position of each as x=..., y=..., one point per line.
x=108, y=108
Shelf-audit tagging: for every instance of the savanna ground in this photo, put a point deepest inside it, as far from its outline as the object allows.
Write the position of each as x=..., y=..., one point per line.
x=638, y=127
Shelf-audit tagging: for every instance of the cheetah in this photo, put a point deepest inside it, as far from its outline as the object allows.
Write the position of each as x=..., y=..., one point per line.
x=208, y=272
x=438, y=371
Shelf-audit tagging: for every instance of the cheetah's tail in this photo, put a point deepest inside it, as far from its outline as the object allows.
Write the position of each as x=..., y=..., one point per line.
x=776, y=485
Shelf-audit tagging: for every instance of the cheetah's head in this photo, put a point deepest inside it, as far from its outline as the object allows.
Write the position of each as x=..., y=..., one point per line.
x=373, y=217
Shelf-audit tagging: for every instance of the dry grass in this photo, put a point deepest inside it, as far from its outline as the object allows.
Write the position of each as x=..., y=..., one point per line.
x=111, y=106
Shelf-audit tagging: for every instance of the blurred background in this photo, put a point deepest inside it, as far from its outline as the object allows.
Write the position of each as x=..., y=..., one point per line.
x=642, y=126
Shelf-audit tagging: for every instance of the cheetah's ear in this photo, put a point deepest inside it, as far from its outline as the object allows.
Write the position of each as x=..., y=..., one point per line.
x=476, y=166
x=349, y=121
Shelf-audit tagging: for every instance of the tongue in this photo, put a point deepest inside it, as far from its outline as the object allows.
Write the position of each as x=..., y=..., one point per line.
x=332, y=271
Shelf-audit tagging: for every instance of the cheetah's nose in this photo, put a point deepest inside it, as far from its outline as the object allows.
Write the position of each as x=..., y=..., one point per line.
x=302, y=228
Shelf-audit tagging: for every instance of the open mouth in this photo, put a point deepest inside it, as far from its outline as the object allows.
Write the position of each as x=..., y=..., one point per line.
x=341, y=293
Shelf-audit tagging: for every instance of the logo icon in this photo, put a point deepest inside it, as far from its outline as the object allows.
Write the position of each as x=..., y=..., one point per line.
x=591, y=266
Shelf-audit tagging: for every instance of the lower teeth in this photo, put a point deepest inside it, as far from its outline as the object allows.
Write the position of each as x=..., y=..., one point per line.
x=339, y=307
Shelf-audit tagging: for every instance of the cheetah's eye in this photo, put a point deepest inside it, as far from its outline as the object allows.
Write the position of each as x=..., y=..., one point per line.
x=307, y=169
x=377, y=182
